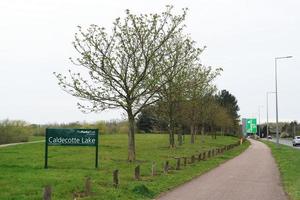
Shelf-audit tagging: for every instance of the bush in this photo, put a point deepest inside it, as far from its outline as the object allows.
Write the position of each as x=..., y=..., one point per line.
x=14, y=131
x=284, y=135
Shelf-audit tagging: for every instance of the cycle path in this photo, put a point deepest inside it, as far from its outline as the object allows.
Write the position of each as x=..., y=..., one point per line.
x=253, y=175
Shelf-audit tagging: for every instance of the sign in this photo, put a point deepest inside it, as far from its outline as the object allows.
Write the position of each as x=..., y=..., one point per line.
x=71, y=137
x=251, y=125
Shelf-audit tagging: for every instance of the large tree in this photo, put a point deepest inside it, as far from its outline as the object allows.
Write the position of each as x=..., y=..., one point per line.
x=124, y=69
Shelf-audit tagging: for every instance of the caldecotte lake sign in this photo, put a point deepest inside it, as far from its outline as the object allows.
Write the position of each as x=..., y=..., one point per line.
x=71, y=137
x=70, y=141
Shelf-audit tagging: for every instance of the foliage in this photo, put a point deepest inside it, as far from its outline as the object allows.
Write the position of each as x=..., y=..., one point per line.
x=12, y=131
x=228, y=101
x=146, y=121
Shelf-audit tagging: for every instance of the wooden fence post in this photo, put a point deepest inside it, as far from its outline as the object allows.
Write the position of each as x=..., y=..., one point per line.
x=88, y=186
x=177, y=163
x=199, y=157
x=153, y=169
x=204, y=155
x=184, y=161
x=137, y=174
x=116, y=178
x=47, y=192
x=166, y=167
x=192, y=159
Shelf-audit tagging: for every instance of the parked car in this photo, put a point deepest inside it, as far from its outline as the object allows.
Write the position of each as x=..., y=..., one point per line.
x=296, y=140
x=269, y=137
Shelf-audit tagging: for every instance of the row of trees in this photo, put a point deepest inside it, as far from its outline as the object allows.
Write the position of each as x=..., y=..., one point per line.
x=209, y=113
x=286, y=129
x=145, y=60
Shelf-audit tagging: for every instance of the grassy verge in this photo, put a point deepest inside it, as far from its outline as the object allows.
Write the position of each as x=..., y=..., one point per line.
x=288, y=161
x=23, y=177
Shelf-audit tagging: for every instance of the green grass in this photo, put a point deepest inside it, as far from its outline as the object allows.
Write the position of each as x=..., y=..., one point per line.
x=288, y=161
x=23, y=177
x=36, y=138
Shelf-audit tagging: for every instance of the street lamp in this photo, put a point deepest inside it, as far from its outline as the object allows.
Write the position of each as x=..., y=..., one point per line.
x=259, y=120
x=276, y=92
x=268, y=111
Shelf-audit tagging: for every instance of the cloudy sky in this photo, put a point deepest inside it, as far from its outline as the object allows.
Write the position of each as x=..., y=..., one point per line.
x=242, y=37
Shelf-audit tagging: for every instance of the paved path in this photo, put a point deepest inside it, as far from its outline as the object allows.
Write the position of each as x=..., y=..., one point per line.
x=253, y=175
x=13, y=144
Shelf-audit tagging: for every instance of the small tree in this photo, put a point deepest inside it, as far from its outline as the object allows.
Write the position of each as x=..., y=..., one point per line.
x=124, y=69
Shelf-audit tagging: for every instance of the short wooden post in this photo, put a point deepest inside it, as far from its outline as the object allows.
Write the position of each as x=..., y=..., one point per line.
x=88, y=186
x=208, y=156
x=177, y=163
x=199, y=157
x=47, y=192
x=204, y=155
x=184, y=161
x=137, y=173
x=166, y=167
x=192, y=159
x=153, y=169
x=116, y=178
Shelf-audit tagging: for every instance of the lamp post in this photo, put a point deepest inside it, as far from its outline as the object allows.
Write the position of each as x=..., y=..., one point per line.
x=268, y=111
x=276, y=92
x=259, y=120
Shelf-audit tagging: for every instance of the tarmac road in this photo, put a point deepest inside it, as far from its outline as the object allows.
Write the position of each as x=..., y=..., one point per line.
x=253, y=175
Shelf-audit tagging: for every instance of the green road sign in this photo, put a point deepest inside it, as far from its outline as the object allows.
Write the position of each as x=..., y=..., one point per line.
x=251, y=126
x=71, y=137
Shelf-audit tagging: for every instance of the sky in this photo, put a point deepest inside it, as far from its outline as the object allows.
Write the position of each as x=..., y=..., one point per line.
x=242, y=36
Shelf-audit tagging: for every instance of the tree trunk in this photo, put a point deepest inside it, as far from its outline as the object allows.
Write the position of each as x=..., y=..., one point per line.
x=131, y=139
x=195, y=132
x=171, y=126
x=171, y=136
x=192, y=134
x=179, y=135
x=215, y=133
x=202, y=132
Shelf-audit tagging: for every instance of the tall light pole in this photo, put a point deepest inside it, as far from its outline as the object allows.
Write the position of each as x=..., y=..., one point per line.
x=268, y=111
x=259, y=120
x=276, y=92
